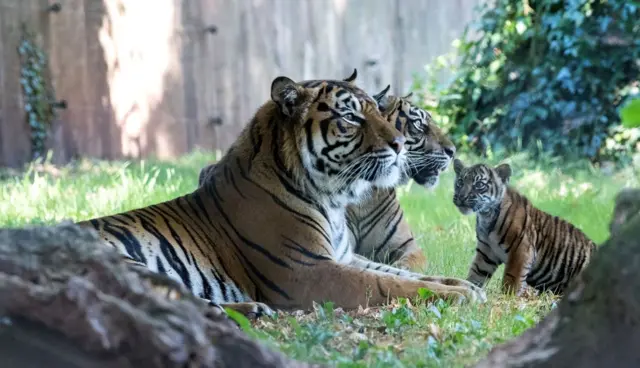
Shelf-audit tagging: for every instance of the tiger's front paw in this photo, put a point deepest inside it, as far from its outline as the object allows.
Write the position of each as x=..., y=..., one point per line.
x=251, y=310
x=259, y=310
x=473, y=292
x=477, y=294
x=464, y=295
x=478, y=291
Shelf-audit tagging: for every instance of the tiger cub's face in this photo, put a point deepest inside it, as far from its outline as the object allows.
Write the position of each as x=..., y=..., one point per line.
x=429, y=150
x=344, y=142
x=479, y=188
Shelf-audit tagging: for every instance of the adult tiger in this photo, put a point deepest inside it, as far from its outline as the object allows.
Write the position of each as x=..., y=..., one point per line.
x=377, y=225
x=381, y=233
x=269, y=224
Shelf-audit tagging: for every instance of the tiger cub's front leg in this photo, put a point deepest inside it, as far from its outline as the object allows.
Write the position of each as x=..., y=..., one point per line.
x=364, y=263
x=484, y=265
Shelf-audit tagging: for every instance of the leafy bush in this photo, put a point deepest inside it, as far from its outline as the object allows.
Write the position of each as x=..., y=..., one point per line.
x=547, y=74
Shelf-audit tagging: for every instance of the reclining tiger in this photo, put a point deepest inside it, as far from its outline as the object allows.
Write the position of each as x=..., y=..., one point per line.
x=377, y=224
x=267, y=230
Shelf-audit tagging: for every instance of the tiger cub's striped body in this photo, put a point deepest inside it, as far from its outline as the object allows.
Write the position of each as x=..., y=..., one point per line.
x=269, y=223
x=538, y=249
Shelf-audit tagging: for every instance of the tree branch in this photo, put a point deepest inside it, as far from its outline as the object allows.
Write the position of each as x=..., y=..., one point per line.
x=67, y=294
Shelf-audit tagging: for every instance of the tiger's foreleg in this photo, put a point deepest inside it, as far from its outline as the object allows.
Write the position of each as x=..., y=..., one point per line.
x=364, y=263
x=517, y=269
x=350, y=286
x=484, y=265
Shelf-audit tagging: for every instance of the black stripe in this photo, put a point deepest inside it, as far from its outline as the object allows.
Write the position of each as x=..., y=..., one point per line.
x=388, y=237
x=306, y=219
x=476, y=269
x=231, y=179
x=168, y=251
x=486, y=258
x=126, y=238
x=206, y=286
x=174, y=234
x=160, y=266
x=302, y=250
x=270, y=284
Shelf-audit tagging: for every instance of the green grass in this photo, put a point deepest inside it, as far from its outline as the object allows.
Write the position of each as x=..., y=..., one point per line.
x=404, y=334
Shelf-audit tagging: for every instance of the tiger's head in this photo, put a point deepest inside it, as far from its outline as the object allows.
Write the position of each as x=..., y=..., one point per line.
x=429, y=150
x=479, y=188
x=337, y=133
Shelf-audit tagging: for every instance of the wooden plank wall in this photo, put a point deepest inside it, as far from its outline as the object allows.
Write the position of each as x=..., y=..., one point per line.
x=163, y=77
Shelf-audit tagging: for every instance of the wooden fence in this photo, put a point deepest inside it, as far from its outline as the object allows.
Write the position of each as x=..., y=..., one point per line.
x=163, y=77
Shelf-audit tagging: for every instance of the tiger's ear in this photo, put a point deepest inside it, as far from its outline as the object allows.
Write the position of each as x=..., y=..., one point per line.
x=352, y=77
x=408, y=96
x=504, y=172
x=458, y=166
x=382, y=99
x=287, y=94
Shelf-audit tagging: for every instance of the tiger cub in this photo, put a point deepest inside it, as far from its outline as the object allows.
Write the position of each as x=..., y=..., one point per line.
x=538, y=249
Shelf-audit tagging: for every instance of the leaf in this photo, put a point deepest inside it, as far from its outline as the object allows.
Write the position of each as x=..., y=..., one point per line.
x=240, y=319
x=630, y=114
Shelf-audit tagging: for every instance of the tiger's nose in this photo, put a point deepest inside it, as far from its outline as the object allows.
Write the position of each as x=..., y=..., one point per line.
x=450, y=151
x=397, y=143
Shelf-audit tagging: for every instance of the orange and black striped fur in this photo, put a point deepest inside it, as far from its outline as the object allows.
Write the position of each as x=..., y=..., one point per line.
x=538, y=249
x=380, y=230
x=269, y=224
x=377, y=225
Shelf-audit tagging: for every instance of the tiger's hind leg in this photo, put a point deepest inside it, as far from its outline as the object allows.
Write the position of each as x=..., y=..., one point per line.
x=251, y=310
x=517, y=269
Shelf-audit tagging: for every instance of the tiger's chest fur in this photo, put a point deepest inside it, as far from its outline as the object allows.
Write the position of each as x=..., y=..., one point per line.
x=340, y=239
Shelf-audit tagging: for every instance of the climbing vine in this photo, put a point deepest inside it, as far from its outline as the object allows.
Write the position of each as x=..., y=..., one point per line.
x=38, y=97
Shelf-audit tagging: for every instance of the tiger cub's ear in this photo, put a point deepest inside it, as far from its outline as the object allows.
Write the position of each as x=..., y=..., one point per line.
x=504, y=172
x=287, y=94
x=458, y=166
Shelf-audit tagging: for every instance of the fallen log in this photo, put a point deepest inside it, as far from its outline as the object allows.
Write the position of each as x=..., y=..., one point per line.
x=67, y=301
x=597, y=322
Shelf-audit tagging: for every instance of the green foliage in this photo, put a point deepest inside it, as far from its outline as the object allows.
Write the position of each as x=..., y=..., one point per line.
x=399, y=316
x=630, y=114
x=424, y=334
x=546, y=74
x=37, y=94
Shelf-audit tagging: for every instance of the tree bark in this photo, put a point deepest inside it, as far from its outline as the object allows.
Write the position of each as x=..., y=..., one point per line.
x=597, y=323
x=69, y=301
